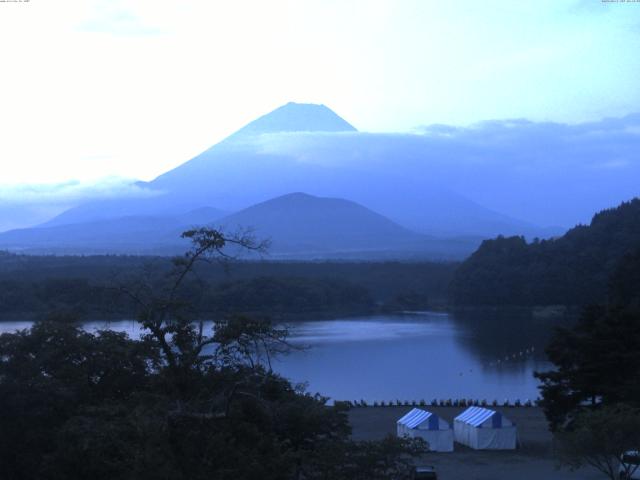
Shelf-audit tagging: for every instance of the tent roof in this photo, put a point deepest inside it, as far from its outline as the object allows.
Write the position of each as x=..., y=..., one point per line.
x=475, y=416
x=414, y=418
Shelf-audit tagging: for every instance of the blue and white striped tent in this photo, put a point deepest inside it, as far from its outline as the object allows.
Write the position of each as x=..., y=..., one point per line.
x=484, y=429
x=419, y=423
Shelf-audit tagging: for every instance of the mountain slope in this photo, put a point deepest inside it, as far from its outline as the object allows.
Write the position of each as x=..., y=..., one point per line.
x=305, y=221
x=304, y=226
x=301, y=147
x=300, y=226
x=296, y=117
x=573, y=269
x=262, y=160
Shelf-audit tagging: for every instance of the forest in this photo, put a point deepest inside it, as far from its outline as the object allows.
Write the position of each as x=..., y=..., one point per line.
x=91, y=287
x=570, y=270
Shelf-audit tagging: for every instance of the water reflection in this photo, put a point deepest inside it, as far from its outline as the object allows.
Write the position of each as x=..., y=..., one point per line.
x=422, y=355
x=368, y=329
x=503, y=336
x=480, y=354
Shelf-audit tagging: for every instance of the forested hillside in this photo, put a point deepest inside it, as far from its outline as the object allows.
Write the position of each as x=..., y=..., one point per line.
x=572, y=270
x=89, y=287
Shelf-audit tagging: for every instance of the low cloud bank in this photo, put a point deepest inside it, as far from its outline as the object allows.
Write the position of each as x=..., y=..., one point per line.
x=544, y=172
x=25, y=205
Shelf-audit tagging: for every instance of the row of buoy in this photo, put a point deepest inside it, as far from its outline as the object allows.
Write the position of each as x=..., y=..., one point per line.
x=514, y=356
x=462, y=402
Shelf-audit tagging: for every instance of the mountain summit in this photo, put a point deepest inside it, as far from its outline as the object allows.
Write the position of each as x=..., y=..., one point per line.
x=297, y=117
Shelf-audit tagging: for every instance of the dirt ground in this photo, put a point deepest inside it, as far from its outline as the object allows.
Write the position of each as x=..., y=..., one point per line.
x=534, y=458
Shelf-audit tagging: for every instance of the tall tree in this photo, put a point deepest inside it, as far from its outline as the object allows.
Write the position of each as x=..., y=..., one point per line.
x=597, y=361
x=607, y=439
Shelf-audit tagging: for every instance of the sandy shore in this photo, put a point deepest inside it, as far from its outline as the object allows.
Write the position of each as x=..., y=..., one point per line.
x=534, y=460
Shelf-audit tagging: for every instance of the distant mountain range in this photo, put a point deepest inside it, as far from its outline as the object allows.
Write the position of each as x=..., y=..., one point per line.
x=364, y=209
x=298, y=225
x=128, y=234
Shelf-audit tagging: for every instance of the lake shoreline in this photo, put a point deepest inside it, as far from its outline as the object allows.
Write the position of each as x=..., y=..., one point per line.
x=541, y=312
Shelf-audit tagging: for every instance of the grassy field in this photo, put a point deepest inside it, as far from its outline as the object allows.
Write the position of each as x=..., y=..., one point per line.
x=534, y=458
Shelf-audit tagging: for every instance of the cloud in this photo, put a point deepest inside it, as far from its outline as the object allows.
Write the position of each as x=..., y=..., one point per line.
x=544, y=172
x=23, y=205
x=116, y=18
x=71, y=192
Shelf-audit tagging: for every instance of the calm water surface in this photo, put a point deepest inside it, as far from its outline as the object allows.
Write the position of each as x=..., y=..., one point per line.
x=423, y=355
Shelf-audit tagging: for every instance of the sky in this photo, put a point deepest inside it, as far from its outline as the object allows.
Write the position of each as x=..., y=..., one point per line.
x=130, y=89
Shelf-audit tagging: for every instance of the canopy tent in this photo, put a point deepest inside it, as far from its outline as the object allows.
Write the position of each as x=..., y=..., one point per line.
x=484, y=429
x=428, y=426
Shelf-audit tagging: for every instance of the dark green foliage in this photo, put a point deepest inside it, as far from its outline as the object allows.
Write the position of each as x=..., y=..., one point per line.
x=597, y=361
x=80, y=405
x=624, y=286
x=386, y=459
x=179, y=404
x=280, y=296
x=571, y=270
x=48, y=374
x=32, y=287
x=600, y=439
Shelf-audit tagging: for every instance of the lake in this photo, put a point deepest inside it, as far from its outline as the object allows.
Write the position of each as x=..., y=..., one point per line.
x=412, y=356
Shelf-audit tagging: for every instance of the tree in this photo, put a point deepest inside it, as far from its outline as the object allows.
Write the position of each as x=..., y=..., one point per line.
x=598, y=360
x=600, y=438
x=52, y=372
x=390, y=458
x=180, y=403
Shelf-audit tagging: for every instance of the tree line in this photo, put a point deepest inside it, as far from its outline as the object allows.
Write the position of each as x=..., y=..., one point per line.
x=33, y=286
